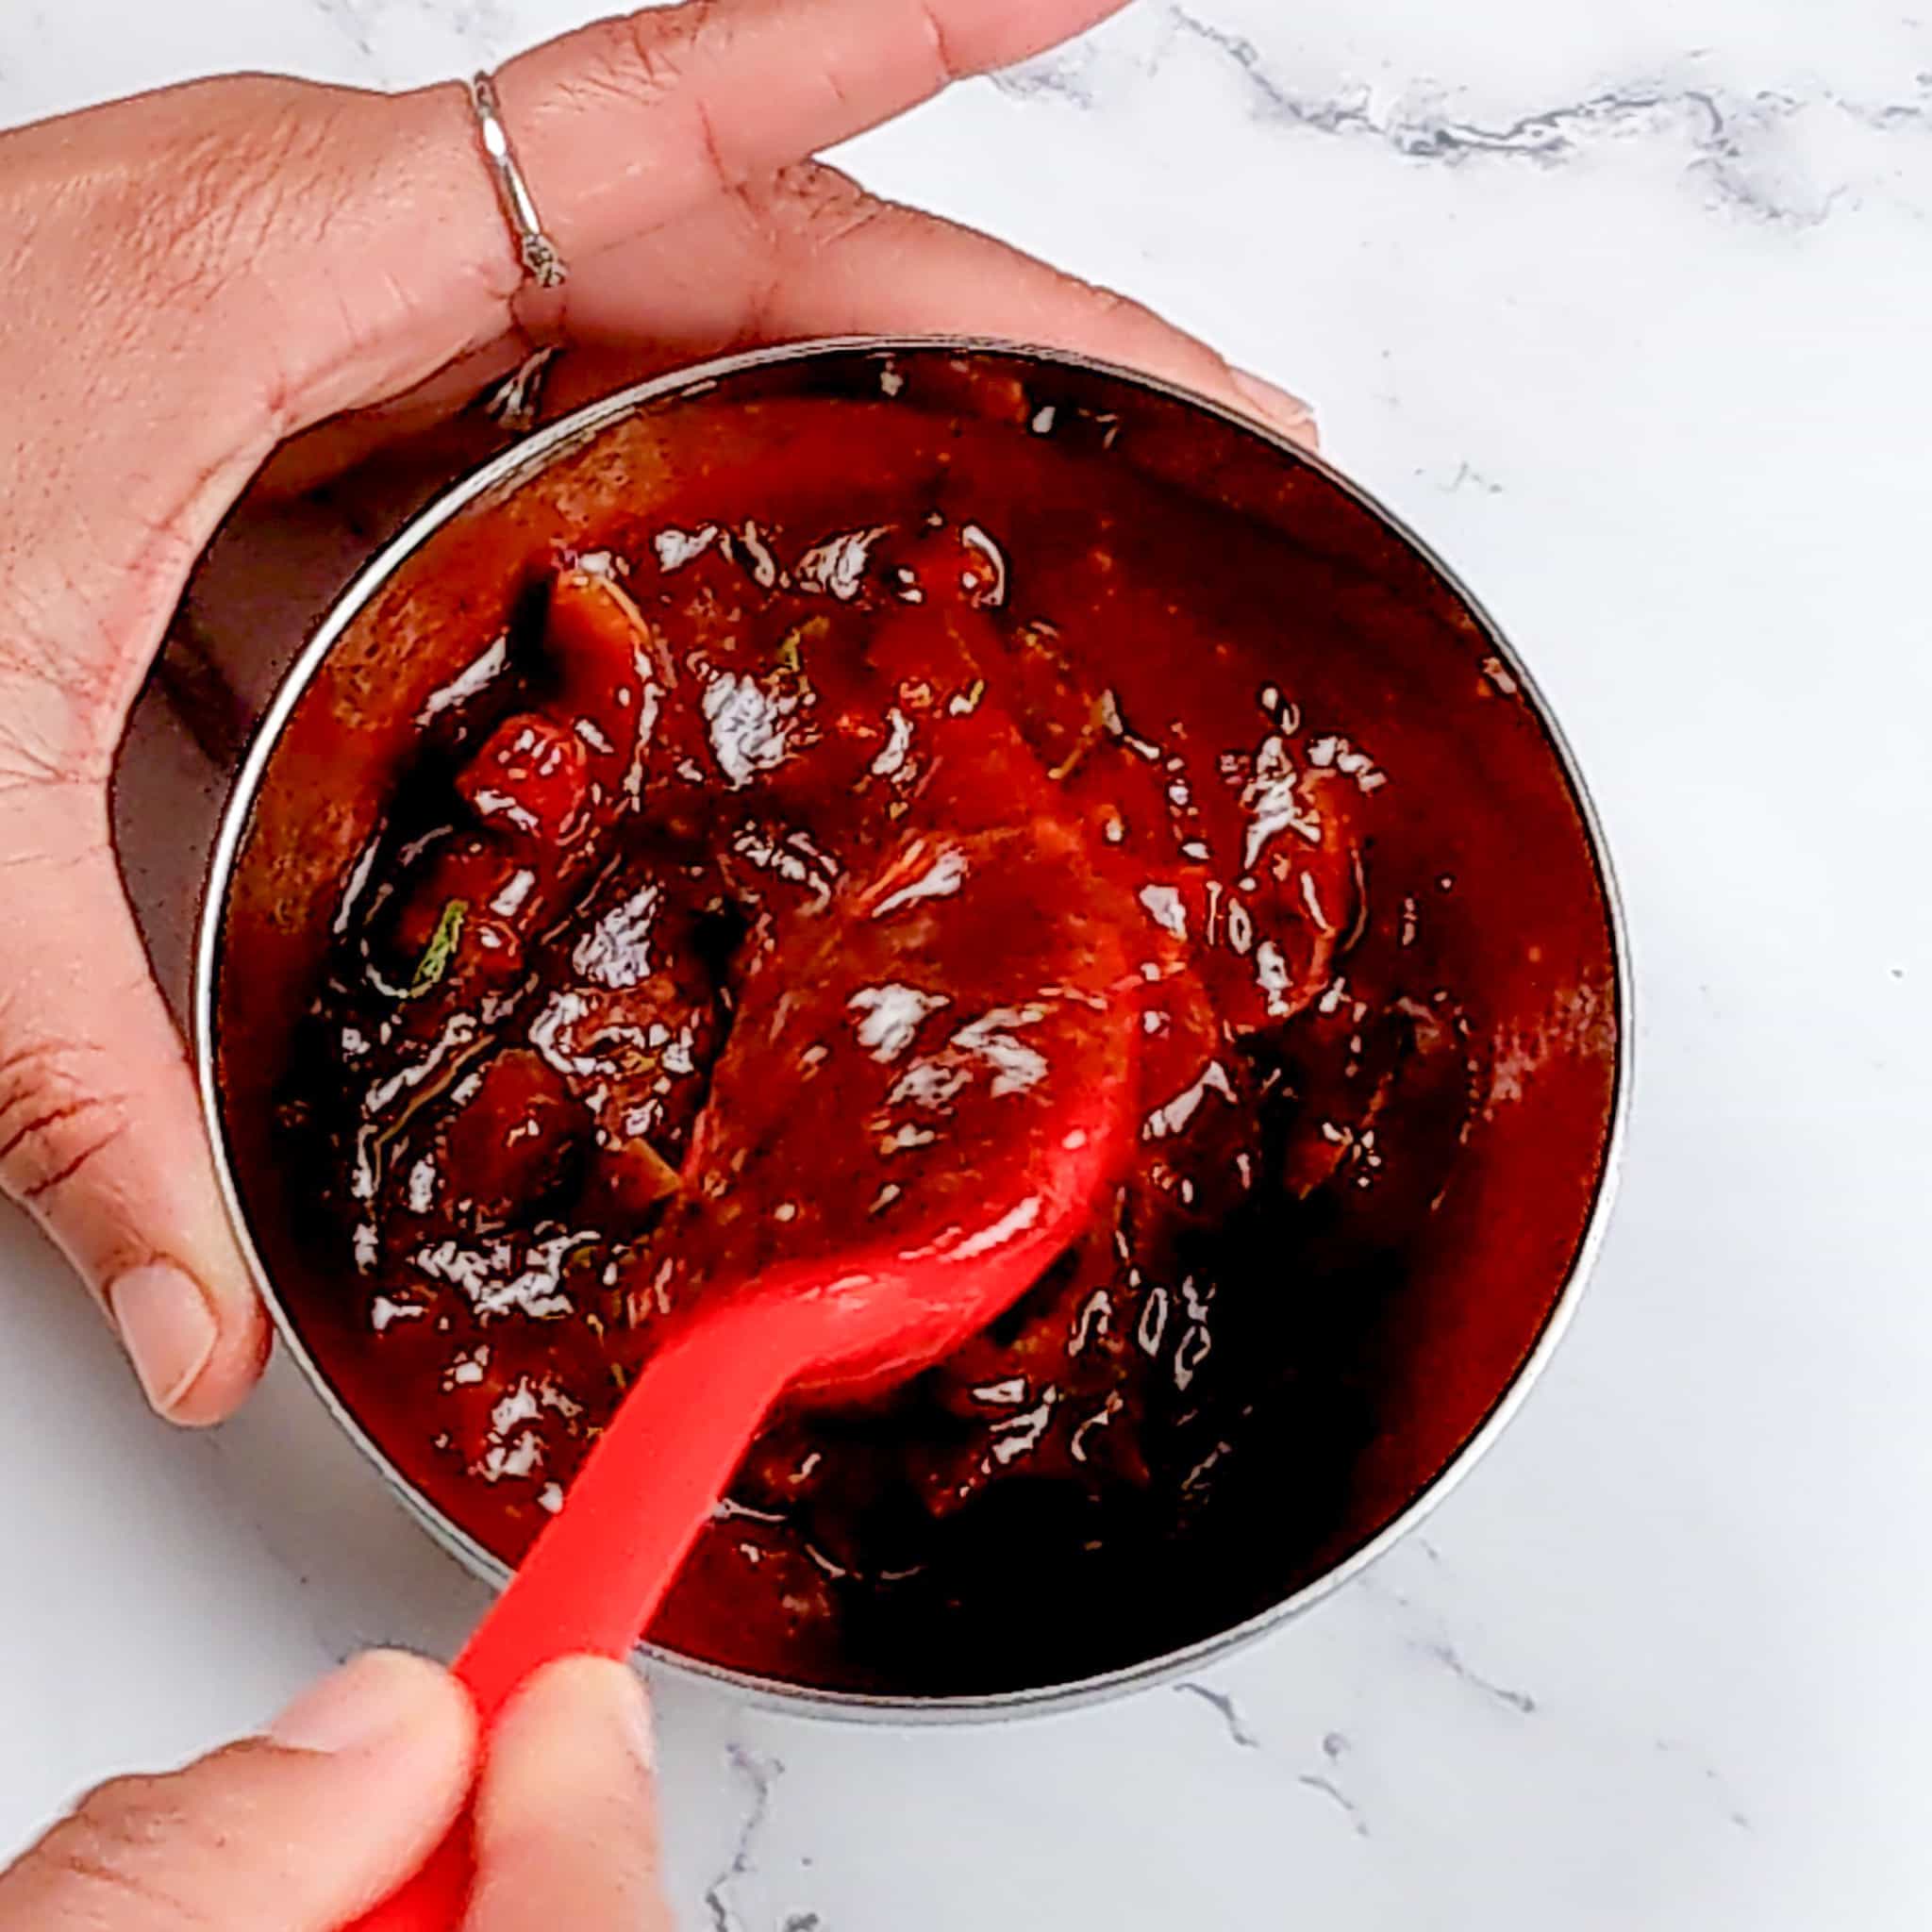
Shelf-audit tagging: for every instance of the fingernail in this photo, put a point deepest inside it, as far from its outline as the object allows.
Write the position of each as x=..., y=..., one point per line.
x=365, y=1700
x=167, y=1327
x=1276, y=405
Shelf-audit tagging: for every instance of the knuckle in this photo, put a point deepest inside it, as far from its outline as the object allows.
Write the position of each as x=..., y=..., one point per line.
x=820, y=206
x=29, y=761
x=653, y=49
x=120, y=1850
x=642, y=58
x=122, y=1814
x=63, y=676
x=54, y=1120
x=647, y=60
x=247, y=160
x=58, y=727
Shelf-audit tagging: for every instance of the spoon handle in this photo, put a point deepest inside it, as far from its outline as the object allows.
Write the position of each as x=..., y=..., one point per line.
x=595, y=1576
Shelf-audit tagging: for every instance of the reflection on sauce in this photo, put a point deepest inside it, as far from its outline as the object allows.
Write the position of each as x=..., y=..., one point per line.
x=628, y=824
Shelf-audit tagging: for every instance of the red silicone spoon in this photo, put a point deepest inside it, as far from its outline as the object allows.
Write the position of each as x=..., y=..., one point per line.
x=929, y=1086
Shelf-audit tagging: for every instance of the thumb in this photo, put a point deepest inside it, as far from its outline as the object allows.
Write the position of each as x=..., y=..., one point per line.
x=566, y=1816
x=100, y=1130
x=304, y=1829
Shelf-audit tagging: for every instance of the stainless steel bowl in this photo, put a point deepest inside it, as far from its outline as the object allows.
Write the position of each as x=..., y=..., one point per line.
x=377, y=629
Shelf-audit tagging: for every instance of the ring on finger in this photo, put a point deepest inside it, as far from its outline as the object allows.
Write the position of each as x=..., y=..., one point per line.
x=542, y=260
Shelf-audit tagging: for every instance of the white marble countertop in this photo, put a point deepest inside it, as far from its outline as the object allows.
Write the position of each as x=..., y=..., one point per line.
x=1625, y=308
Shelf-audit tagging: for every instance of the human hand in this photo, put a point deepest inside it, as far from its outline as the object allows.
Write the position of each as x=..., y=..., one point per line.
x=310, y=1826
x=199, y=276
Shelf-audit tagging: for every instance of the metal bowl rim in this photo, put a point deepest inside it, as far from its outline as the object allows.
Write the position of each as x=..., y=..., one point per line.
x=525, y=461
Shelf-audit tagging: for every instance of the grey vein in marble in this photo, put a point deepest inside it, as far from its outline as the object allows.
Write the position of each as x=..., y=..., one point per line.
x=483, y=29
x=762, y=1776
x=1230, y=1712
x=1713, y=1779
x=1445, y=1653
x=1734, y=136
x=1053, y=77
x=1335, y=1748
x=1435, y=1643
x=355, y=20
x=1328, y=1789
x=1467, y=477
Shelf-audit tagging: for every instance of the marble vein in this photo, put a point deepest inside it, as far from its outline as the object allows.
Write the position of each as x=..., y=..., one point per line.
x=1328, y=1789
x=1325, y=1782
x=1335, y=1747
x=1433, y=1639
x=1063, y=78
x=481, y=32
x=1737, y=138
x=1713, y=1779
x=1445, y=1653
x=1469, y=478
x=762, y=1776
x=355, y=20
x=1237, y=1729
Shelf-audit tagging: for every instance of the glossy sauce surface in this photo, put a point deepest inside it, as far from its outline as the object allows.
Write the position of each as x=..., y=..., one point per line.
x=611, y=1019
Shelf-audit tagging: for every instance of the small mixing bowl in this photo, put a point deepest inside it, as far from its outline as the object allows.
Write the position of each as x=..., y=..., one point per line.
x=1392, y=1401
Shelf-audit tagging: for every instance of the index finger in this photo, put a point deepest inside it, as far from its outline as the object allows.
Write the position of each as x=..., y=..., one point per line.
x=629, y=123
x=621, y=127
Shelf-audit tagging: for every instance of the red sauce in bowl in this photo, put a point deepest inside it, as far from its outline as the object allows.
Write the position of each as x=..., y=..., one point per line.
x=669, y=707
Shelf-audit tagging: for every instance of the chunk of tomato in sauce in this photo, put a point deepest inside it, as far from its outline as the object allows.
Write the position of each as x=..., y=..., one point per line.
x=510, y=1142
x=530, y=783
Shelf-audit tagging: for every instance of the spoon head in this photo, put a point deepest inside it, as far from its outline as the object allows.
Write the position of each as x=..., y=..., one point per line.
x=928, y=1092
